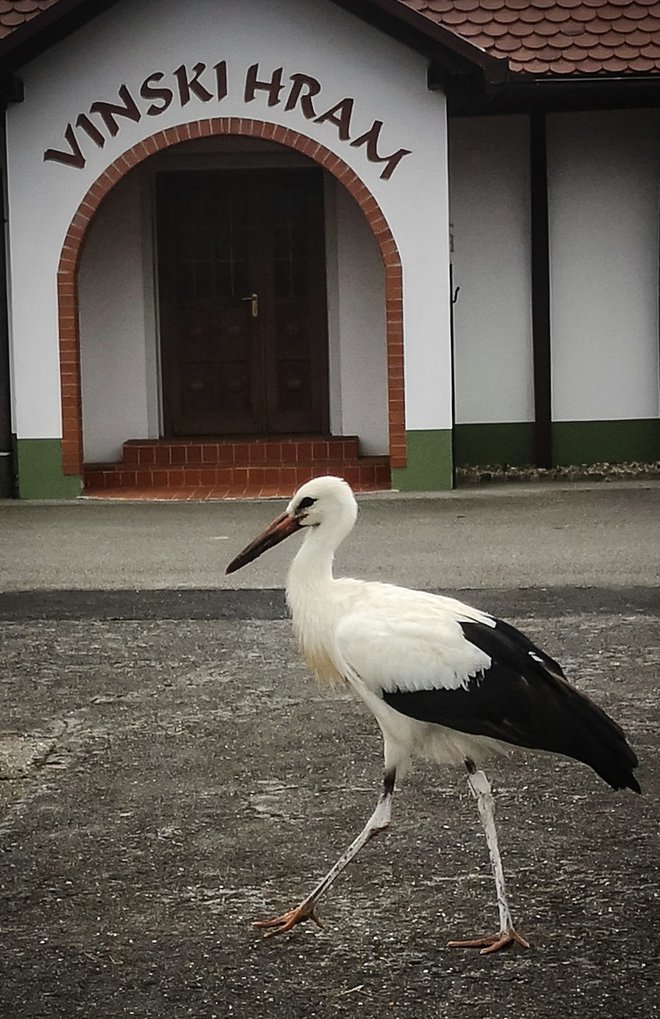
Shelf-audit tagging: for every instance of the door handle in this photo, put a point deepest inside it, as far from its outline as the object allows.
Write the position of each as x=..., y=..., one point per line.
x=254, y=304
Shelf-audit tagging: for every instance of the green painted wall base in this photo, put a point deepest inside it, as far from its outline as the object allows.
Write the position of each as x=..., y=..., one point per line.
x=584, y=442
x=39, y=468
x=510, y=444
x=573, y=442
x=429, y=462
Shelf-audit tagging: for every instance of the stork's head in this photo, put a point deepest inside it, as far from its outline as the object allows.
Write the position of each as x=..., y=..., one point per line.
x=326, y=502
x=323, y=499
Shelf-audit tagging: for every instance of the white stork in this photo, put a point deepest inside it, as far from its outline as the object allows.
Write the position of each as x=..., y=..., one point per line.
x=443, y=680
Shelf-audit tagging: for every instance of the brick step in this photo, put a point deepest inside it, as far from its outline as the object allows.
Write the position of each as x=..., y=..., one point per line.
x=240, y=453
x=368, y=471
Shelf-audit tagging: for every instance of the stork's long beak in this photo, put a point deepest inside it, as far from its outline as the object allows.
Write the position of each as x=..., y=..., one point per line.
x=281, y=528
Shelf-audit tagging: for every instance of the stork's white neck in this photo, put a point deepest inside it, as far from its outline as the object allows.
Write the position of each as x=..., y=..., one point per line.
x=310, y=574
x=312, y=563
x=311, y=595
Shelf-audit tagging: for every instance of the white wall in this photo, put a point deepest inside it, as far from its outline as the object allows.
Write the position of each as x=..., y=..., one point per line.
x=129, y=42
x=603, y=176
x=489, y=211
x=361, y=326
x=112, y=326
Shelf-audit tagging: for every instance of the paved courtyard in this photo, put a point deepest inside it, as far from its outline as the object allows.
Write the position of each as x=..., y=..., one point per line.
x=170, y=773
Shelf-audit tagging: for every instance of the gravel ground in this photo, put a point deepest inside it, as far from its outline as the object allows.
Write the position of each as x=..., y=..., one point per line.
x=608, y=472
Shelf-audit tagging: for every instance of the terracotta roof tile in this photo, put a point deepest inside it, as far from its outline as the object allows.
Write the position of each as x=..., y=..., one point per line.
x=508, y=44
x=587, y=15
x=495, y=29
x=557, y=37
x=527, y=17
x=596, y=27
x=547, y=28
x=616, y=64
x=536, y=36
x=608, y=38
x=573, y=53
x=523, y=30
x=452, y=18
x=536, y=42
x=482, y=41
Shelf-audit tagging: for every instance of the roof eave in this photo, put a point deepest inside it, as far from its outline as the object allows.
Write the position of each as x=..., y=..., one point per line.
x=527, y=93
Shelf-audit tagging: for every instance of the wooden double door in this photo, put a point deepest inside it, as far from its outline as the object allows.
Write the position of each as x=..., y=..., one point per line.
x=242, y=302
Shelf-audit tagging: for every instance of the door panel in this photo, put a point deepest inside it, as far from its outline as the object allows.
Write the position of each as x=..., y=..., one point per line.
x=297, y=358
x=231, y=364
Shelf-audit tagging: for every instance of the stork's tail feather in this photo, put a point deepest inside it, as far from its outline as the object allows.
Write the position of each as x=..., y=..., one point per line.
x=598, y=741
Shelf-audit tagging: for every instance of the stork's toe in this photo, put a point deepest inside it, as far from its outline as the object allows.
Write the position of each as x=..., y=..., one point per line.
x=287, y=921
x=490, y=943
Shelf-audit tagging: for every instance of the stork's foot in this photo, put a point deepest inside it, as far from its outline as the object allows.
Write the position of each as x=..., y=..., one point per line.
x=287, y=921
x=492, y=942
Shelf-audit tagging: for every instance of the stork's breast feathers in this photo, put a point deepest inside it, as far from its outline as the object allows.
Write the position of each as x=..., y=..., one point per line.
x=320, y=663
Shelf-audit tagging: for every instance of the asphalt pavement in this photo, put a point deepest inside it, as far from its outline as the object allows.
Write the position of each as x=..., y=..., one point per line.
x=168, y=771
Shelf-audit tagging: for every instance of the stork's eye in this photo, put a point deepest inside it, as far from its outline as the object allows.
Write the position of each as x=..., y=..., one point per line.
x=305, y=503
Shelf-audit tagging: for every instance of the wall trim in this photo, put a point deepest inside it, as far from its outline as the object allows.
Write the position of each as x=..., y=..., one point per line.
x=40, y=474
x=429, y=466
x=574, y=442
x=587, y=442
x=67, y=273
x=511, y=443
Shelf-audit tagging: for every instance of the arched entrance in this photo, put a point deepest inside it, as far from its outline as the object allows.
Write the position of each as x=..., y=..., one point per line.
x=70, y=261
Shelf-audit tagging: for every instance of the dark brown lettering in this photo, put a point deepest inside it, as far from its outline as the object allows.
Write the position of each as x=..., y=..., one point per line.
x=83, y=122
x=303, y=93
x=272, y=87
x=312, y=86
x=370, y=139
x=340, y=116
x=72, y=158
x=110, y=111
x=221, y=78
x=163, y=96
x=192, y=85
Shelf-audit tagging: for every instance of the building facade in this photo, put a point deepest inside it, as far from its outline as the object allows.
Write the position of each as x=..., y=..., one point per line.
x=261, y=241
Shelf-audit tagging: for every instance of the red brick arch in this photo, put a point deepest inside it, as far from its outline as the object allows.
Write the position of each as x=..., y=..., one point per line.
x=67, y=272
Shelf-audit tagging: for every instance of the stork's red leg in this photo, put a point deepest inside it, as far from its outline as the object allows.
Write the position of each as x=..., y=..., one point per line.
x=378, y=821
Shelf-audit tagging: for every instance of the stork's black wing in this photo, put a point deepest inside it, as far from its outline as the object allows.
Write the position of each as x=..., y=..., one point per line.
x=524, y=699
